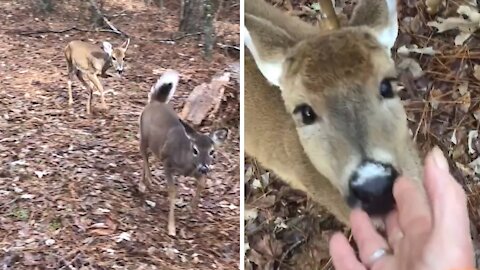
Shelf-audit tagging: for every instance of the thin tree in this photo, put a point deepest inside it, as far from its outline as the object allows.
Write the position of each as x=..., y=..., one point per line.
x=192, y=19
x=209, y=29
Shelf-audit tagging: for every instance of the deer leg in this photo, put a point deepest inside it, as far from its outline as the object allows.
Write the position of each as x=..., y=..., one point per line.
x=71, y=75
x=171, y=197
x=89, y=88
x=198, y=193
x=99, y=86
x=146, y=180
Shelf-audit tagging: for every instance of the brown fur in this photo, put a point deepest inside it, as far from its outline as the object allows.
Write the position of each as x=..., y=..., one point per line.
x=88, y=61
x=337, y=73
x=173, y=141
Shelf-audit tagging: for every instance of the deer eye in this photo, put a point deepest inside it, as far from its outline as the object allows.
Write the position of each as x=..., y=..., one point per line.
x=114, y=58
x=195, y=151
x=307, y=113
x=386, y=89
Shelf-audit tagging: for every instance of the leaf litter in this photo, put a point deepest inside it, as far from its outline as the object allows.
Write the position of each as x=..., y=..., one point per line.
x=67, y=181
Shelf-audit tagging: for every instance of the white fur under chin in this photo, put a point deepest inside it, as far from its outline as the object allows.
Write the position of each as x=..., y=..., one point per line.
x=169, y=76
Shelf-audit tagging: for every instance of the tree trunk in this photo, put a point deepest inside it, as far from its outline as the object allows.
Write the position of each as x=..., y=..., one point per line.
x=209, y=29
x=192, y=16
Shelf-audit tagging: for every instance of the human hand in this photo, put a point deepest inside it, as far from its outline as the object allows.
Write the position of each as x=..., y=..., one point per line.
x=422, y=234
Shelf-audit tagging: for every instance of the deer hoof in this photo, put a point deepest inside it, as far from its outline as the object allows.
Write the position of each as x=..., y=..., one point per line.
x=141, y=187
x=171, y=230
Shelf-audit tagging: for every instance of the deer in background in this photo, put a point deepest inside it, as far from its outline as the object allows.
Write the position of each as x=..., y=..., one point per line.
x=325, y=103
x=181, y=149
x=88, y=61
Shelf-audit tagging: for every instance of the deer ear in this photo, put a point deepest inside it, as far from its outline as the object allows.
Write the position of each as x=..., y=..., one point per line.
x=219, y=136
x=107, y=47
x=125, y=44
x=384, y=24
x=268, y=44
x=188, y=129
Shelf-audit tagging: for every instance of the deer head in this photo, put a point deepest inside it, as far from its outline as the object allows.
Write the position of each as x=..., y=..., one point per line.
x=339, y=87
x=203, y=147
x=117, y=55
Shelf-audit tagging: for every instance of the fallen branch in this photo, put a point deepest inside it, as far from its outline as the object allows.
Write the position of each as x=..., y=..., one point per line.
x=74, y=28
x=45, y=31
x=114, y=29
x=226, y=46
x=180, y=37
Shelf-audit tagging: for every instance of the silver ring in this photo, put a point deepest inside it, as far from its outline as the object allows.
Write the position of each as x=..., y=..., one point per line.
x=377, y=255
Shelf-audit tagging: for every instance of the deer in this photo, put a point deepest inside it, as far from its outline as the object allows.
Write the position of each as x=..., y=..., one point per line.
x=88, y=61
x=324, y=100
x=175, y=143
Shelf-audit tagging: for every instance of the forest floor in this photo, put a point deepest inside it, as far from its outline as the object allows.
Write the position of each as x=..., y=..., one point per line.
x=286, y=230
x=68, y=196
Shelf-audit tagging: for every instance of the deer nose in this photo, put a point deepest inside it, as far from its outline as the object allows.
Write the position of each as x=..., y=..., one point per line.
x=371, y=187
x=203, y=169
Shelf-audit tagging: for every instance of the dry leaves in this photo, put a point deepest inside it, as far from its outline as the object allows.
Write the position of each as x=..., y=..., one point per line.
x=67, y=181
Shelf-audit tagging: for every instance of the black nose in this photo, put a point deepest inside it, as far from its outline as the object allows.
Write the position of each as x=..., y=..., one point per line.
x=371, y=186
x=120, y=71
x=203, y=169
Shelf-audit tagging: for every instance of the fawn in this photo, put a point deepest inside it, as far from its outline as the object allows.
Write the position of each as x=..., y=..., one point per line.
x=325, y=103
x=91, y=61
x=180, y=148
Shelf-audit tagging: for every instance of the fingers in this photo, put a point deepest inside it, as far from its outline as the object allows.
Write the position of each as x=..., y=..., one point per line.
x=367, y=238
x=343, y=256
x=414, y=213
x=448, y=199
x=394, y=232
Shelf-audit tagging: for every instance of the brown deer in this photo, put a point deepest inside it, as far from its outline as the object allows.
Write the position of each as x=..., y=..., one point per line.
x=321, y=108
x=91, y=61
x=181, y=149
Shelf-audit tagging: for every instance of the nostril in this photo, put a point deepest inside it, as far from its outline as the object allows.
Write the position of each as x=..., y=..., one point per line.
x=372, y=185
x=203, y=169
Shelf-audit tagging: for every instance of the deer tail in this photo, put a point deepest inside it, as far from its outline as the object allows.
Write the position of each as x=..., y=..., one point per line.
x=164, y=88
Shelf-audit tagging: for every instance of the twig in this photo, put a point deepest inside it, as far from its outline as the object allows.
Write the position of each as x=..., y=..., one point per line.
x=74, y=28
x=179, y=37
x=290, y=249
x=226, y=46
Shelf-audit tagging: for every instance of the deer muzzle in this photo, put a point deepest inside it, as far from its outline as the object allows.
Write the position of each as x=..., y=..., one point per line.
x=371, y=187
x=203, y=168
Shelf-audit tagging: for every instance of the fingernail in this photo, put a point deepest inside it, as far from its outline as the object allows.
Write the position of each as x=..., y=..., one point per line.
x=439, y=159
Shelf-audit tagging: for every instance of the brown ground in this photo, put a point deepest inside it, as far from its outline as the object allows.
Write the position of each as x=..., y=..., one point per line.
x=67, y=181
x=288, y=231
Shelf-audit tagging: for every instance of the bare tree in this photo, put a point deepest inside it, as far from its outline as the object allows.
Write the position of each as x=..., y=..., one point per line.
x=191, y=19
x=209, y=29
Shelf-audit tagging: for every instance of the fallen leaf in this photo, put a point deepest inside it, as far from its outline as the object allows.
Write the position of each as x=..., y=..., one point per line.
x=433, y=6
x=435, y=95
x=414, y=49
x=124, y=236
x=465, y=102
x=476, y=72
x=472, y=135
x=249, y=214
x=411, y=65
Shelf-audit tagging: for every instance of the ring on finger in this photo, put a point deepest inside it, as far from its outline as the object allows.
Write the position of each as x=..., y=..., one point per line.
x=377, y=255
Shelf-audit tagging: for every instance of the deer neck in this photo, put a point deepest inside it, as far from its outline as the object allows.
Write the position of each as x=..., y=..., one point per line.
x=178, y=152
